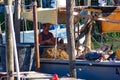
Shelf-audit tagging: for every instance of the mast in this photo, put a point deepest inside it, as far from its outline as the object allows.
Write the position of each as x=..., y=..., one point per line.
x=70, y=36
x=88, y=42
x=35, y=25
x=11, y=42
x=9, y=46
x=17, y=20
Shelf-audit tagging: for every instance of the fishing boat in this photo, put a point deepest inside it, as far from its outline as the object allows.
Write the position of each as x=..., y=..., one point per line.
x=85, y=69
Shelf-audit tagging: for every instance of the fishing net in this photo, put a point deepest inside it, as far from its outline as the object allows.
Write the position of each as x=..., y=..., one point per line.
x=60, y=53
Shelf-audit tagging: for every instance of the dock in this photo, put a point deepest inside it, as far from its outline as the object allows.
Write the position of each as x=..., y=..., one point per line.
x=32, y=75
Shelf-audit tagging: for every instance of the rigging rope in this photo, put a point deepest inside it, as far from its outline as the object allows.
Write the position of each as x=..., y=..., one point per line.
x=96, y=41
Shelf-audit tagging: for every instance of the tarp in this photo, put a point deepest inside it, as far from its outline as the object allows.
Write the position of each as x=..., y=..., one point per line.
x=61, y=3
x=46, y=15
x=50, y=15
x=1, y=1
x=112, y=27
x=109, y=12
